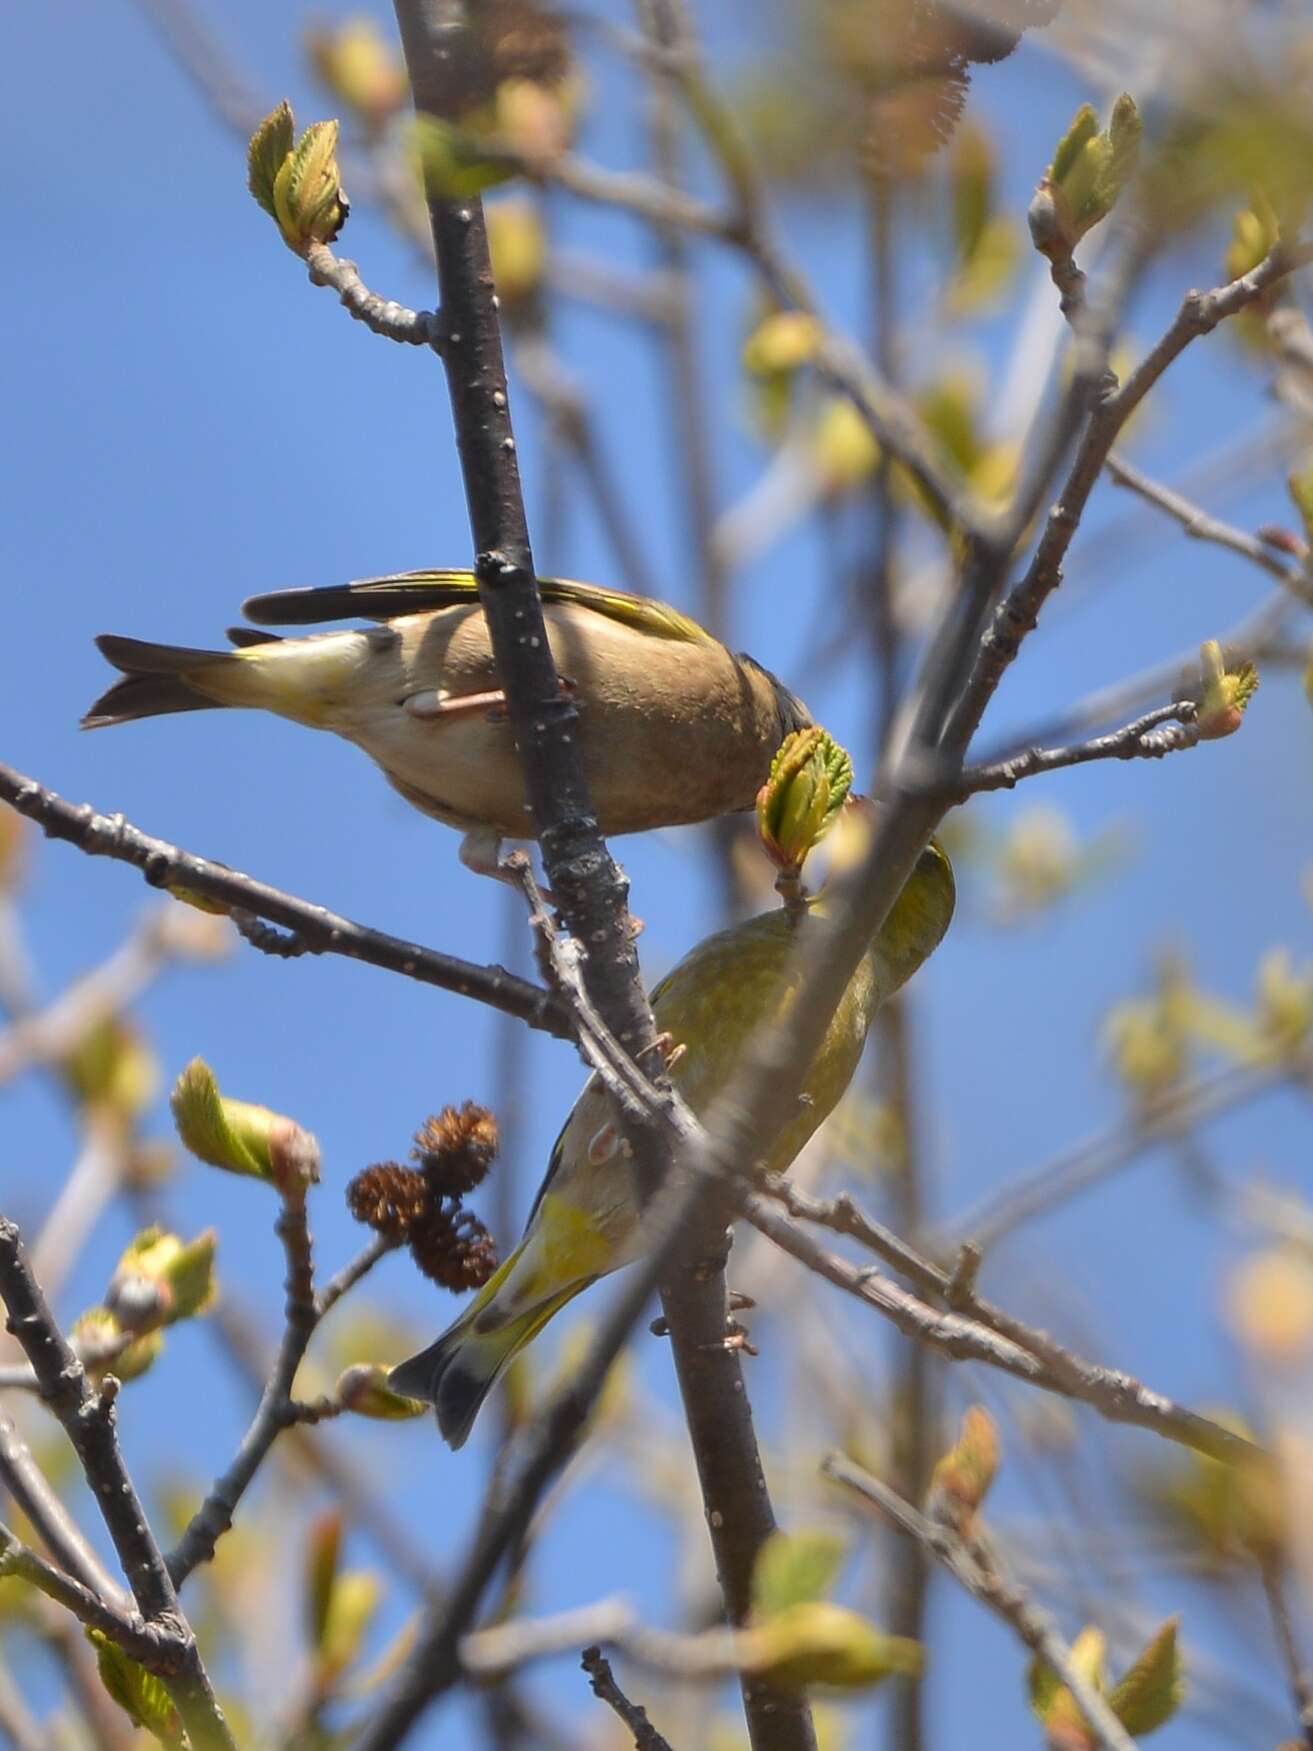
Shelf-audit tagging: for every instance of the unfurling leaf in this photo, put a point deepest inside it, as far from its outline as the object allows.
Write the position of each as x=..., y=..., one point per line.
x=323, y=1547
x=961, y=1479
x=1154, y=1688
x=455, y=163
x=364, y=1390
x=270, y=146
x=1054, y=1706
x=112, y=1069
x=99, y=1340
x=352, y=1605
x=357, y=64
x=308, y=200
x=1224, y=694
x=810, y=777
x=793, y=1569
x=1089, y=171
x=137, y=1692
x=239, y=1137
x=159, y=1280
x=818, y=1643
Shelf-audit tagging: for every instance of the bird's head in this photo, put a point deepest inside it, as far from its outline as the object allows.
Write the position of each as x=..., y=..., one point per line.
x=793, y=714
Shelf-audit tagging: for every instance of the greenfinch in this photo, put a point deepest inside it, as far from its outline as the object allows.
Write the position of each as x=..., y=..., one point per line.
x=585, y=1219
x=674, y=728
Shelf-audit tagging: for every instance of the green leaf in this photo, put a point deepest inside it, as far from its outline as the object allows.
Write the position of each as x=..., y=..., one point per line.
x=239, y=1137
x=269, y=148
x=323, y=1546
x=454, y=163
x=810, y=777
x=1154, y=1688
x=311, y=202
x=352, y=1606
x=1083, y=129
x=961, y=1479
x=1122, y=153
x=793, y=1568
x=138, y=1692
x=819, y=1643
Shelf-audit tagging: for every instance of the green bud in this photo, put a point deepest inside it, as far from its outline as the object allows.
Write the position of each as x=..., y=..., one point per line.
x=961, y=1479
x=97, y=1336
x=810, y=777
x=1089, y=171
x=818, y=1643
x=1224, y=695
x=309, y=204
x=454, y=163
x=241, y=1138
x=1154, y=1688
x=159, y=1280
x=363, y=1389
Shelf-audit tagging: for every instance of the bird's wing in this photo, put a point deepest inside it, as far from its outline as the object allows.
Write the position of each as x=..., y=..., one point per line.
x=419, y=592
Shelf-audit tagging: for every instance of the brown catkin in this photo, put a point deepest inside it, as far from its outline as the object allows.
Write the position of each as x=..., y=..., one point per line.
x=389, y=1198
x=453, y=1249
x=455, y=1148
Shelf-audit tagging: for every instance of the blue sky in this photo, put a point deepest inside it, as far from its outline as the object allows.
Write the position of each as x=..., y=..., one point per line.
x=191, y=423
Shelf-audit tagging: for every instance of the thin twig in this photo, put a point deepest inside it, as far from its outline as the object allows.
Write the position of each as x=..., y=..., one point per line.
x=416, y=328
x=323, y=932
x=1199, y=525
x=1099, y=1157
x=88, y=1420
x=605, y=1689
x=30, y=1489
x=148, y=1643
x=969, y=1565
x=975, y=1331
x=1297, y=1673
x=1144, y=739
x=274, y=1412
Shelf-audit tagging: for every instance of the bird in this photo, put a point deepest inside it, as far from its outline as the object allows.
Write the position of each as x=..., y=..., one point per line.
x=585, y=1220
x=674, y=728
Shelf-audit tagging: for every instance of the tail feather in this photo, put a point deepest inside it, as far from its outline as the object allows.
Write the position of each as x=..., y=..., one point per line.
x=457, y=1373
x=154, y=681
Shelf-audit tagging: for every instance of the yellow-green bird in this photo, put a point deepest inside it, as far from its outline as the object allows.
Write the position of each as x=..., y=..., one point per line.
x=674, y=727
x=585, y=1219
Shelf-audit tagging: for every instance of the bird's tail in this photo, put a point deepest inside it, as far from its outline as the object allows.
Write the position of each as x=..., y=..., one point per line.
x=156, y=680
x=457, y=1373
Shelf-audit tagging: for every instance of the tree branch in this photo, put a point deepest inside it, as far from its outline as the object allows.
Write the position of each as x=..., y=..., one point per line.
x=1030, y=1354
x=27, y=1484
x=970, y=1566
x=148, y=1644
x=1144, y=739
x=1297, y=1673
x=88, y=1421
x=323, y=932
x=605, y=1689
x=416, y=328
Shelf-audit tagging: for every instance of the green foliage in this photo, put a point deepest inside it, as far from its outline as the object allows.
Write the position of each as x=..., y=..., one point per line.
x=299, y=185
x=1145, y=1698
x=794, y=1568
x=819, y=1643
x=239, y=1137
x=962, y=1478
x=1090, y=169
x=138, y=1692
x=810, y=777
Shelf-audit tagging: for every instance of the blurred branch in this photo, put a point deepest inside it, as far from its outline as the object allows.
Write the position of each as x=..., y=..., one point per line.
x=605, y=1689
x=200, y=55
x=416, y=328
x=974, y=1330
x=88, y=1421
x=1101, y=1156
x=323, y=932
x=277, y=1410
x=1144, y=739
x=971, y=1566
x=33, y=1494
x=1018, y=613
x=1300, y=1679
x=1200, y=526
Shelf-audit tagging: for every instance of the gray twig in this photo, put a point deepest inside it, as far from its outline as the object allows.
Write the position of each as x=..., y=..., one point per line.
x=1297, y=1673
x=605, y=1689
x=323, y=932
x=416, y=328
x=983, y=1332
x=971, y=1566
x=88, y=1420
x=1146, y=738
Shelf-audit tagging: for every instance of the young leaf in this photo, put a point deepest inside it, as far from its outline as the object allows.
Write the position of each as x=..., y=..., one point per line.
x=793, y=1568
x=138, y=1692
x=1154, y=1688
x=818, y=1643
x=268, y=150
x=239, y=1137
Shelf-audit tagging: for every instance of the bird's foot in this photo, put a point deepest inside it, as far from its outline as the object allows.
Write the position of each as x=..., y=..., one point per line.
x=480, y=851
x=666, y=1046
